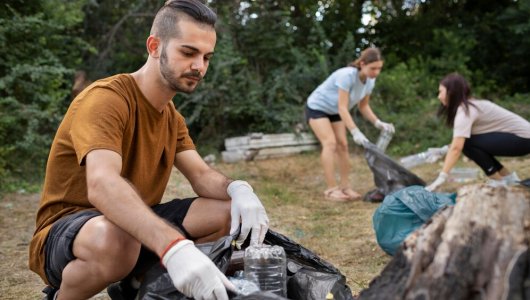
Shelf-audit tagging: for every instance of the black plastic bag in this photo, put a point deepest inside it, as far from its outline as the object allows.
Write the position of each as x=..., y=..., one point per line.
x=308, y=276
x=389, y=176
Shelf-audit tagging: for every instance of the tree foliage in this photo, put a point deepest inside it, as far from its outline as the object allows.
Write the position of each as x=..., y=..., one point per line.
x=41, y=47
x=270, y=55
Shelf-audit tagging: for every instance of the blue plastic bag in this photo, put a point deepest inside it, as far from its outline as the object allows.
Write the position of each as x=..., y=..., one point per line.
x=404, y=211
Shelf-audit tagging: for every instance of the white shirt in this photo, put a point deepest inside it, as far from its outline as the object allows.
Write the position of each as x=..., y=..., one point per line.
x=485, y=116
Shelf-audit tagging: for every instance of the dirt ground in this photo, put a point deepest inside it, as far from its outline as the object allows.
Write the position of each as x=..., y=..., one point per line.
x=291, y=189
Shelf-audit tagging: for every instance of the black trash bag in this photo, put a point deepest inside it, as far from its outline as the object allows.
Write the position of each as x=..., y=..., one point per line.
x=157, y=285
x=389, y=176
x=308, y=276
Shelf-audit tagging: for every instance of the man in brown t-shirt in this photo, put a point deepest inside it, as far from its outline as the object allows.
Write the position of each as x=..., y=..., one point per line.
x=100, y=213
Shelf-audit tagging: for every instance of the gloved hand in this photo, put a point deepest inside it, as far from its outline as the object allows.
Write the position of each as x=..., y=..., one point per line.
x=247, y=208
x=442, y=177
x=358, y=137
x=384, y=126
x=194, y=274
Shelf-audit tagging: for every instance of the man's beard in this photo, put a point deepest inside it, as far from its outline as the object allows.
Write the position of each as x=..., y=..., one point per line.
x=172, y=81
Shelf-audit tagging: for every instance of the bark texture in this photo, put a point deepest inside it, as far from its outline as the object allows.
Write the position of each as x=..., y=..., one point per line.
x=478, y=249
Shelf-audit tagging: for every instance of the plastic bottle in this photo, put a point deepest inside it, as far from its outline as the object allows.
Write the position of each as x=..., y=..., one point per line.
x=463, y=174
x=266, y=266
x=429, y=156
x=243, y=286
x=384, y=139
x=414, y=160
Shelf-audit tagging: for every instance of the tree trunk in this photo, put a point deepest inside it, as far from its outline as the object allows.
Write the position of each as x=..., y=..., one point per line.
x=478, y=249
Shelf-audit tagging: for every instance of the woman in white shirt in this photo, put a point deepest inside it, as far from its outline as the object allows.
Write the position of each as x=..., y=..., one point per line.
x=481, y=130
x=328, y=114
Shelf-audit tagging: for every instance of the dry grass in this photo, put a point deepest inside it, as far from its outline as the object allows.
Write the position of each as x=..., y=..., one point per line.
x=291, y=189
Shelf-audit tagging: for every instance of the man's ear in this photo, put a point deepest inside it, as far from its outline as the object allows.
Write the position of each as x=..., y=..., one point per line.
x=153, y=45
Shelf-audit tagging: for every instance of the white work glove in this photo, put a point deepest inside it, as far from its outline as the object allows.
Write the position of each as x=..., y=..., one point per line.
x=194, y=274
x=384, y=126
x=247, y=209
x=358, y=137
x=438, y=182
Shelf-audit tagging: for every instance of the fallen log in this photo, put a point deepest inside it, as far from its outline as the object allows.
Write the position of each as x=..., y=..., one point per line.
x=477, y=249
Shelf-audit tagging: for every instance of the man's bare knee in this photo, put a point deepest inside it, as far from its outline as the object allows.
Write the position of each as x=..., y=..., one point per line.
x=112, y=251
x=218, y=215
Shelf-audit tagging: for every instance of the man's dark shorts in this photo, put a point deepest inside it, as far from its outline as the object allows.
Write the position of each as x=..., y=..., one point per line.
x=60, y=240
x=317, y=114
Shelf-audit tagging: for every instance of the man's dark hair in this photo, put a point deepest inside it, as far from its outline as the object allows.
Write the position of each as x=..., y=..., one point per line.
x=164, y=25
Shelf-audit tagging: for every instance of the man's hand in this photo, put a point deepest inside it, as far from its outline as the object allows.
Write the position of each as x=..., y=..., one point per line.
x=194, y=274
x=358, y=137
x=247, y=208
x=385, y=126
x=438, y=182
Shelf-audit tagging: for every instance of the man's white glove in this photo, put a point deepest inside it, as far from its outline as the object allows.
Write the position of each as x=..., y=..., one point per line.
x=358, y=137
x=247, y=209
x=438, y=182
x=384, y=126
x=194, y=274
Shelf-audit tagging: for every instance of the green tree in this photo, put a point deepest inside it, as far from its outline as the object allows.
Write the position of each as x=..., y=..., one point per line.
x=35, y=78
x=512, y=68
x=270, y=55
x=118, y=30
x=493, y=29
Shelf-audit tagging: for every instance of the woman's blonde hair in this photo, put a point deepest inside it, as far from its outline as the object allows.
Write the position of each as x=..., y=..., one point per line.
x=368, y=55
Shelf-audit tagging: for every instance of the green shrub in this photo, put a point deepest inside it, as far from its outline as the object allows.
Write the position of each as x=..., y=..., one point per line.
x=35, y=81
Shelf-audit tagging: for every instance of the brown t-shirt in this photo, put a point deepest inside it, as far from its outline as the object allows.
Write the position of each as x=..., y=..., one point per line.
x=111, y=114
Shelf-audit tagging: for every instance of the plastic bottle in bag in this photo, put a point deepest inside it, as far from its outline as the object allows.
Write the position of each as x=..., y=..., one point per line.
x=243, y=286
x=384, y=139
x=266, y=266
x=463, y=174
x=429, y=156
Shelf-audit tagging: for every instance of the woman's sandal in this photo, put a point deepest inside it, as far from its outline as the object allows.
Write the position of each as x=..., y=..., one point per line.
x=336, y=194
x=353, y=195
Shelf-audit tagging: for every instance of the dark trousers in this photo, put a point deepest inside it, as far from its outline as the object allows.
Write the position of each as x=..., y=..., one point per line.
x=482, y=149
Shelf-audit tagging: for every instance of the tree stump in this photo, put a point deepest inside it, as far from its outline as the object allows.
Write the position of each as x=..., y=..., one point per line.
x=477, y=249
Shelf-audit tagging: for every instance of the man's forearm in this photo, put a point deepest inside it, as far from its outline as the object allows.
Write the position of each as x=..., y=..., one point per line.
x=120, y=203
x=212, y=184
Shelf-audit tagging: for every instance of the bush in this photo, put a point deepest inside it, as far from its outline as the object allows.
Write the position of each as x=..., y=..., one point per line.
x=34, y=86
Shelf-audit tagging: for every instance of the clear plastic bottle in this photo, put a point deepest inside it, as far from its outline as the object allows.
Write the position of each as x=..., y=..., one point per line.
x=243, y=286
x=266, y=266
x=463, y=174
x=429, y=156
x=384, y=139
x=414, y=160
